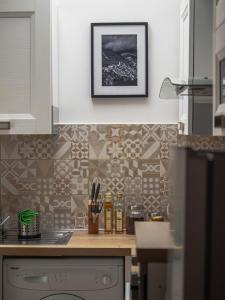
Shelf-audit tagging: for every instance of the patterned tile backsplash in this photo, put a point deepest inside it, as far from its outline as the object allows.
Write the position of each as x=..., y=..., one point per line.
x=53, y=174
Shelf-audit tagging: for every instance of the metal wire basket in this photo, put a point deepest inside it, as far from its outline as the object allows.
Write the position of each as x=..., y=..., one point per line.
x=29, y=231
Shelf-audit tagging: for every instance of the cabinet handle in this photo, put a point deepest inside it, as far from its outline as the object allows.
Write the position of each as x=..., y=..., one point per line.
x=36, y=279
x=4, y=125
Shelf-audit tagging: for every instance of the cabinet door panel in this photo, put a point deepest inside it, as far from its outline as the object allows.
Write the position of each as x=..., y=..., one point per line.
x=25, y=66
x=15, y=65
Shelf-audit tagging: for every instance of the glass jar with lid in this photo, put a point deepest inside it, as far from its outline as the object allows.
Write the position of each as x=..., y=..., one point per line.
x=134, y=213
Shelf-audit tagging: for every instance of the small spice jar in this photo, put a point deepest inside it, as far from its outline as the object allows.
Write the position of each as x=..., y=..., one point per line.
x=134, y=214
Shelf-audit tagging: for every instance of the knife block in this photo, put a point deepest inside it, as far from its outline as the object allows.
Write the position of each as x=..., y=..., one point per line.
x=93, y=224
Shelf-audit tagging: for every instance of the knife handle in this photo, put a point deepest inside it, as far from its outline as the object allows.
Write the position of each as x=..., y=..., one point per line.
x=93, y=192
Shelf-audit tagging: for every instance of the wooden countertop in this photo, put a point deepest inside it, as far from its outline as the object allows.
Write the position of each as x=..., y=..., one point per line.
x=153, y=240
x=80, y=244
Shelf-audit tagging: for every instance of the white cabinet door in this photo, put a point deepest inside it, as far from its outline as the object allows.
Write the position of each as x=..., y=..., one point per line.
x=25, y=67
x=186, y=62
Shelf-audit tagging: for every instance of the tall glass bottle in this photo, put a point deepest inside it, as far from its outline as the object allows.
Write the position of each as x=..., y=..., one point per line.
x=108, y=213
x=119, y=213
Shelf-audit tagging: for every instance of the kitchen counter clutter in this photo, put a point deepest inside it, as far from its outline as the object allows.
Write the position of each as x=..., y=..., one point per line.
x=152, y=241
x=80, y=244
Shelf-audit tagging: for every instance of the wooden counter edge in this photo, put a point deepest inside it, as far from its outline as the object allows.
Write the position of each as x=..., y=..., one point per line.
x=29, y=251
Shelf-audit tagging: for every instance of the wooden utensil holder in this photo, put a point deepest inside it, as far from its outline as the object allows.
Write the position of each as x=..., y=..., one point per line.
x=93, y=224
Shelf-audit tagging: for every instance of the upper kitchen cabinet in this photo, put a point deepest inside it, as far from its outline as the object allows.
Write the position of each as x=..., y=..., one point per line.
x=28, y=77
x=219, y=67
x=193, y=88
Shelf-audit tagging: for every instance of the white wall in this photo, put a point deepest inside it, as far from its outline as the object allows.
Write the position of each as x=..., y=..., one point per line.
x=75, y=102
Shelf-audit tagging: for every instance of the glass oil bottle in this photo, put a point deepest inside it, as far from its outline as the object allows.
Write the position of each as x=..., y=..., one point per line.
x=119, y=213
x=108, y=213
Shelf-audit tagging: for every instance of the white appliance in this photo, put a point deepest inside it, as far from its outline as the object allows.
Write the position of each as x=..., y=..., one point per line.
x=63, y=278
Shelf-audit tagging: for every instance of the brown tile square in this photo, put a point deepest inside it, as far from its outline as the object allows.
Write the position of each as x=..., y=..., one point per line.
x=80, y=150
x=115, y=150
x=45, y=168
x=151, y=137
x=131, y=168
x=97, y=142
x=133, y=185
x=62, y=218
x=73, y=133
x=62, y=187
x=80, y=168
x=62, y=150
x=62, y=201
x=28, y=185
x=79, y=185
x=169, y=133
x=133, y=149
x=151, y=186
x=45, y=186
x=26, y=168
x=98, y=168
x=150, y=167
x=114, y=168
x=151, y=203
x=133, y=132
x=115, y=133
x=10, y=147
x=115, y=185
x=63, y=169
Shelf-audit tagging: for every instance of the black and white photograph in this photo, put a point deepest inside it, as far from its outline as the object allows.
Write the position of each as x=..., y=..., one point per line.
x=119, y=53
x=119, y=60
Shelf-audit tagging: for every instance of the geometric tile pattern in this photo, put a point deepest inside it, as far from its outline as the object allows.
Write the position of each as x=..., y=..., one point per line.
x=151, y=186
x=53, y=173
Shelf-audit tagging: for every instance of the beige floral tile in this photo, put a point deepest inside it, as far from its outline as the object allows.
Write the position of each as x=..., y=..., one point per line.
x=133, y=185
x=10, y=147
x=151, y=185
x=63, y=169
x=97, y=142
x=73, y=133
x=79, y=185
x=151, y=203
x=98, y=168
x=133, y=149
x=115, y=185
x=115, y=133
x=80, y=150
x=115, y=150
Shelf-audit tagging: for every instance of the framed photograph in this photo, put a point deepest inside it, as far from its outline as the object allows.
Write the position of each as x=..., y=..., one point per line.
x=119, y=60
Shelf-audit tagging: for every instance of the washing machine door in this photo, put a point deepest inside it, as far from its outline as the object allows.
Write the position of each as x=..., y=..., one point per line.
x=62, y=297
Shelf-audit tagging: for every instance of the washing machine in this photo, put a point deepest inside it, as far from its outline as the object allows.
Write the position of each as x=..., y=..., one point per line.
x=63, y=279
